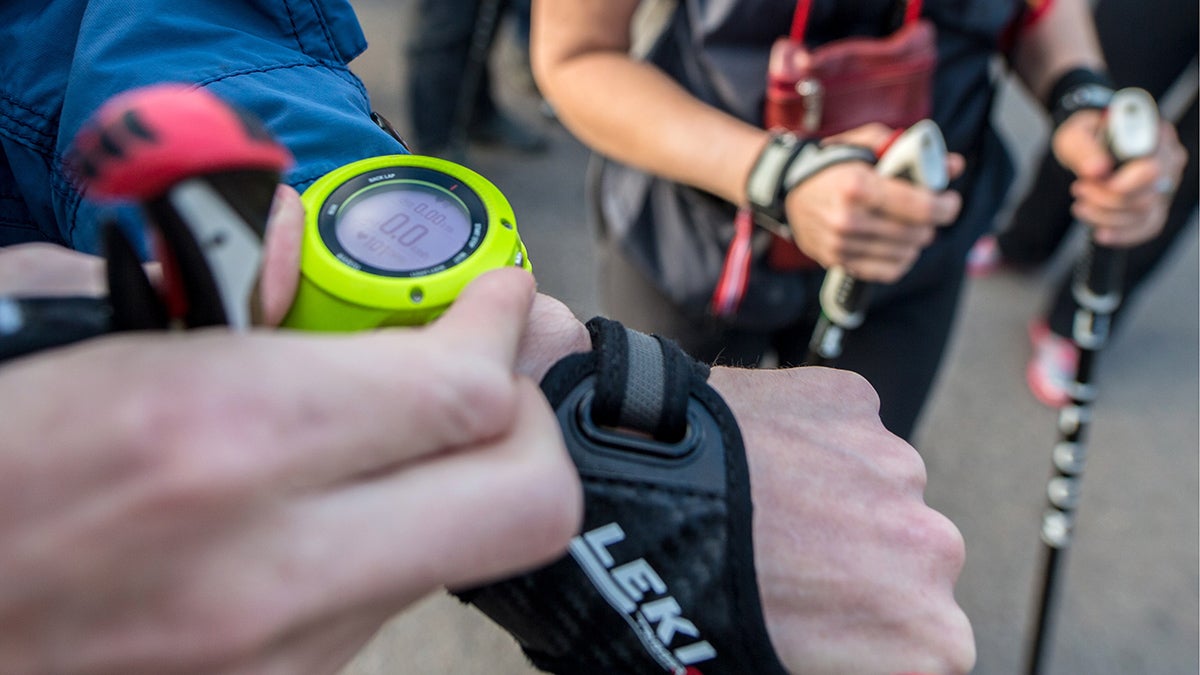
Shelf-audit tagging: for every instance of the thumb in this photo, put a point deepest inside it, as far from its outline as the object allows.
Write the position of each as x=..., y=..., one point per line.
x=281, y=256
x=490, y=315
x=1078, y=147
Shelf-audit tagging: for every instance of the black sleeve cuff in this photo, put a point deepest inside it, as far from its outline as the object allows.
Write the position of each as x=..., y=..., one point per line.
x=1078, y=89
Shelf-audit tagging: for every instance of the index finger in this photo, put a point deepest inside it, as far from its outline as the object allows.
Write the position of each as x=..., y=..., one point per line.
x=1143, y=173
x=282, y=244
x=1130, y=183
x=1077, y=145
x=900, y=200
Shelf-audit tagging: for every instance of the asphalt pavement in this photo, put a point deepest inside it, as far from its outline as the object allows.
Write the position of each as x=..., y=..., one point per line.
x=1131, y=598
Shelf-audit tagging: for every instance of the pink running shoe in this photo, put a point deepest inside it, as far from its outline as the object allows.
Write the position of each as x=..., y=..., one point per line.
x=1051, y=370
x=984, y=258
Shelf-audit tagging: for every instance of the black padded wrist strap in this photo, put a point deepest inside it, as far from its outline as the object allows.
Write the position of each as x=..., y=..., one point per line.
x=639, y=383
x=661, y=578
x=786, y=162
x=816, y=158
x=1078, y=89
x=764, y=185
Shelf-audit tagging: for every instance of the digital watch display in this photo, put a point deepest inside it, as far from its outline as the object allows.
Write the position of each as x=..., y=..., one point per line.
x=393, y=240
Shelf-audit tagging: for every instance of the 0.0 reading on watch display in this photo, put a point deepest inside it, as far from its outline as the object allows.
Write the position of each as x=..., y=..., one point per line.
x=402, y=222
x=403, y=227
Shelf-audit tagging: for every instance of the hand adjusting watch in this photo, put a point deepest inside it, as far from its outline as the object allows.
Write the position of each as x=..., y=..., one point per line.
x=393, y=240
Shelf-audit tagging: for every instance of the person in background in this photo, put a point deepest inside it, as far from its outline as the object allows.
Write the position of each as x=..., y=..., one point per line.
x=677, y=134
x=1145, y=47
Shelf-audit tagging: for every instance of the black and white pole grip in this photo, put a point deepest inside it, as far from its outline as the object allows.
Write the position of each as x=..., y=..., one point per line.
x=1130, y=132
x=917, y=155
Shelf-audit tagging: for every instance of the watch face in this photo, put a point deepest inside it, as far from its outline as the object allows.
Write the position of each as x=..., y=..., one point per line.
x=403, y=228
x=402, y=223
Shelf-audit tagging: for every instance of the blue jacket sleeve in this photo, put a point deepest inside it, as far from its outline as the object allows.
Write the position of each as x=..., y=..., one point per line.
x=284, y=60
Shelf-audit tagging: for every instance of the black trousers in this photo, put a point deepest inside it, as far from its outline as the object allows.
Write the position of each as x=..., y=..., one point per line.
x=1147, y=45
x=438, y=60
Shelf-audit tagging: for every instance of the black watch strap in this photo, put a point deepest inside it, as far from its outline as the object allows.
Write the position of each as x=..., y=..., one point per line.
x=1078, y=89
x=764, y=185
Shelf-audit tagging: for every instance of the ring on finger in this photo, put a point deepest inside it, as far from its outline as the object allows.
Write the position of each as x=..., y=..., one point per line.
x=1164, y=186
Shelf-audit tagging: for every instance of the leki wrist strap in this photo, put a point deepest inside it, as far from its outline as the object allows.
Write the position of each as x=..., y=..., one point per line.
x=661, y=578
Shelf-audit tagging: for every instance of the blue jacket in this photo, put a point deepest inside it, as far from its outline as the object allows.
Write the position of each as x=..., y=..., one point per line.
x=285, y=60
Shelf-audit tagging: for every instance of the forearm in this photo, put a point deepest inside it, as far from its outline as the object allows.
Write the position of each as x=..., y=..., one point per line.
x=1065, y=38
x=631, y=111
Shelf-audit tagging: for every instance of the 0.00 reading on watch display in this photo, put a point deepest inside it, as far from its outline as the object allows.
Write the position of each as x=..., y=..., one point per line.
x=403, y=227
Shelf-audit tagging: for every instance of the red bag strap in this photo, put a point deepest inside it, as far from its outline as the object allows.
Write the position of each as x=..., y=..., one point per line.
x=912, y=10
x=800, y=19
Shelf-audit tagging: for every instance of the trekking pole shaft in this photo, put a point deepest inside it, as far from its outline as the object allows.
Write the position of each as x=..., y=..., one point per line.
x=844, y=311
x=1099, y=274
x=1097, y=292
x=1063, y=488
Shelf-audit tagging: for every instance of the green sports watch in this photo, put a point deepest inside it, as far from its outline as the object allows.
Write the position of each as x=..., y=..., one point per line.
x=393, y=240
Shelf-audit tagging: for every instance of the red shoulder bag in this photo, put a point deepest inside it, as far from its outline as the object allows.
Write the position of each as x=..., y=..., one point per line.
x=819, y=92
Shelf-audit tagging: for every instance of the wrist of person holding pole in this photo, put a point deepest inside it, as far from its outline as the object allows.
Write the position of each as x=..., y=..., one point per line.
x=1123, y=199
x=874, y=226
x=865, y=220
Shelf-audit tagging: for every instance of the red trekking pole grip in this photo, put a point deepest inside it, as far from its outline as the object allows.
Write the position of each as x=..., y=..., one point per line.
x=140, y=143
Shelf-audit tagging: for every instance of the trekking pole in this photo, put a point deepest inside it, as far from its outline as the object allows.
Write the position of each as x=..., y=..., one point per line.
x=204, y=174
x=917, y=155
x=1130, y=131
